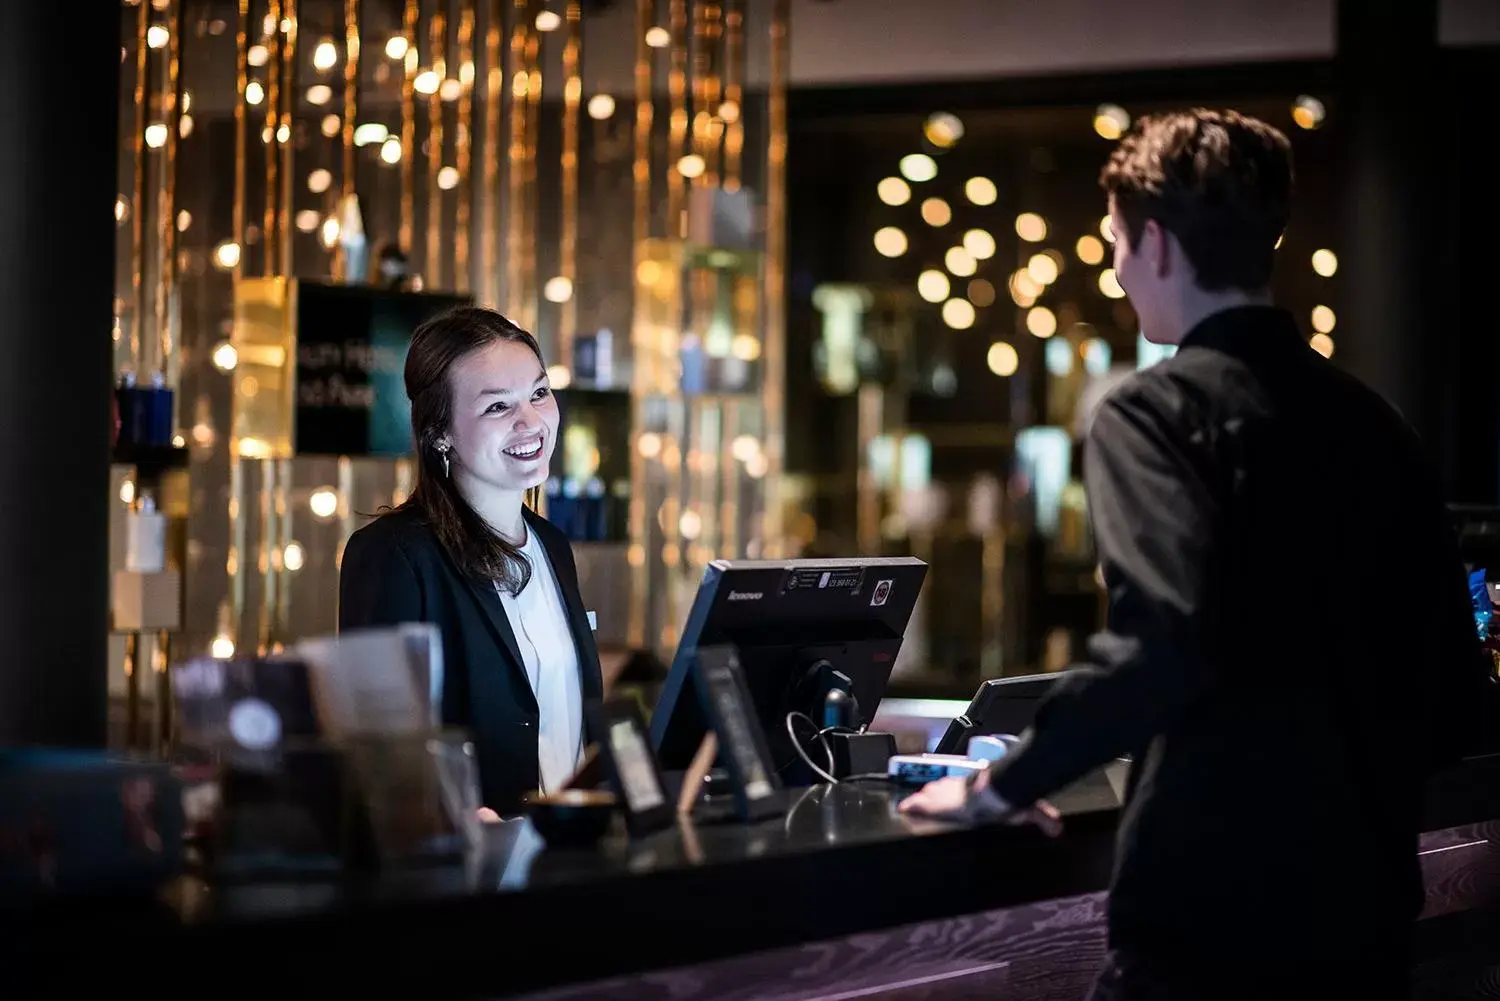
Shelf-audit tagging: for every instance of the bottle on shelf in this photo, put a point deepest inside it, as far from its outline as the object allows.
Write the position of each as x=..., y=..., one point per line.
x=144, y=412
x=127, y=402
x=145, y=537
x=159, y=423
x=595, y=505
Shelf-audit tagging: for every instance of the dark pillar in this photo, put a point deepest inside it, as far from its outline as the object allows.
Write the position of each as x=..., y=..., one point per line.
x=58, y=154
x=1391, y=332
x=1473, y=78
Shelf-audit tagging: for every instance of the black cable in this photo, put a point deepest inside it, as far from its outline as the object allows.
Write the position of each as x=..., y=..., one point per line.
x=820, y=737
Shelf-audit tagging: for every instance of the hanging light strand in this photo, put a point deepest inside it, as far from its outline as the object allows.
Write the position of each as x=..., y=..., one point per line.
x=348, y=179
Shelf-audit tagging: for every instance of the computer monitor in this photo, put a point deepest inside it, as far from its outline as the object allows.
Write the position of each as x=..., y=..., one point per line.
x=1002, y=705
x=794, y=623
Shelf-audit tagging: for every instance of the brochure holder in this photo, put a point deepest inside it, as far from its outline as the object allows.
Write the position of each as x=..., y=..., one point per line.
x=364, y=802
x=329, y=757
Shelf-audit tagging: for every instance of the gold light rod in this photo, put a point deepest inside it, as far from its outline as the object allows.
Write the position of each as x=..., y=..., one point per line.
x=775, y=284
x=268, y=139
x=677, y=124
x=348, y=176
x=284, y=139
x=700, y=59
x=409, y=128
x=708, y=37
x=494, y=77
x=645, y=16
x=241, y=153
x=432, y=262
x=644, y=120
x=463, y=141
x=568, y=255
x=713, y=87
x=515, y=221
x=172, y=99
x=529, y=154
x=733, y=108
x=138, y=197
x=232, y=611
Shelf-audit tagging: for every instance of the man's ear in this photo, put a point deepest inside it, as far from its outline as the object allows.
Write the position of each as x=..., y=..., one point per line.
x=1157, y=244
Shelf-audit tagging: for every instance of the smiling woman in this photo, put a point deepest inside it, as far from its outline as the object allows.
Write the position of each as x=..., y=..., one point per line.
x=466, y=553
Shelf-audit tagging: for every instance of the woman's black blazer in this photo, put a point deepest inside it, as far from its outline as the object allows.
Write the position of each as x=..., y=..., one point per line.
x=395, y=570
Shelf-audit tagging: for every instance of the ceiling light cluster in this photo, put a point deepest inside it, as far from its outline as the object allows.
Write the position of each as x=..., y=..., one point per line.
x=957, y=289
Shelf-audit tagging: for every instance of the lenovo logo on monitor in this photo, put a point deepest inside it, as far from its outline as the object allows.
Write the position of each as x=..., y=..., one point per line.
x=746, y=595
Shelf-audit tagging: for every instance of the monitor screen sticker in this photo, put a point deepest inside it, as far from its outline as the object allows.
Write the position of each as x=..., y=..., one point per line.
x=824, y=579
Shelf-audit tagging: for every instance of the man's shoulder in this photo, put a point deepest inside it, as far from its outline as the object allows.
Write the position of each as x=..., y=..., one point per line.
x=1178, y=405
x=1194, y=372
x=1193, y=389
x=1158, y=392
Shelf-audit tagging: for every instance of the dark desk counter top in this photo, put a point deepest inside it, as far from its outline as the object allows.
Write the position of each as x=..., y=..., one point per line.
x=840, y=861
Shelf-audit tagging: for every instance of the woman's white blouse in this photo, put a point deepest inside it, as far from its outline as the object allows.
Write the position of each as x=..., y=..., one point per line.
x=540, y=622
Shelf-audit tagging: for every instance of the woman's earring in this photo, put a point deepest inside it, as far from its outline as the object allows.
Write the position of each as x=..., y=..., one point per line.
x=443, y=451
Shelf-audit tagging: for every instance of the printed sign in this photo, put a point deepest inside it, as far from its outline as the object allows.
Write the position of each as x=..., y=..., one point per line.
x=350, y=395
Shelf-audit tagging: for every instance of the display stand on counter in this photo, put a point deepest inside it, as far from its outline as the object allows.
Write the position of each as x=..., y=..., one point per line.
x=328, y=757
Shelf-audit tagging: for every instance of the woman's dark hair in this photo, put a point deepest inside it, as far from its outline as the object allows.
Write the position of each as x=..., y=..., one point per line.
x=435, y=346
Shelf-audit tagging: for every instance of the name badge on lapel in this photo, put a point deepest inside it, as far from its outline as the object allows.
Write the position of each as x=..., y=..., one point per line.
x=593, y=622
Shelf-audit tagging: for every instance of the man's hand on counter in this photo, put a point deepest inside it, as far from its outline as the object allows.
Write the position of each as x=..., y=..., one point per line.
x=972, y=800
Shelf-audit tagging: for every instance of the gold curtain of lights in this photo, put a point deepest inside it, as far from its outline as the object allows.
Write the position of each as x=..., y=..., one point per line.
x=458, y=126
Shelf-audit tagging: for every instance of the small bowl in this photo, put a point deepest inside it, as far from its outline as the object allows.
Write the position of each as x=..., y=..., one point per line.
x=572, y=817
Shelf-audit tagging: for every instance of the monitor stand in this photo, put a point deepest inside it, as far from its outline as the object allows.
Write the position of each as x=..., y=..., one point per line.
x=955, y=739
x=705, y=791
x=706, y=799
x=696, y=783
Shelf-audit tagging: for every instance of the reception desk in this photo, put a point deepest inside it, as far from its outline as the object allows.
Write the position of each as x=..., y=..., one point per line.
x=839, y=894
